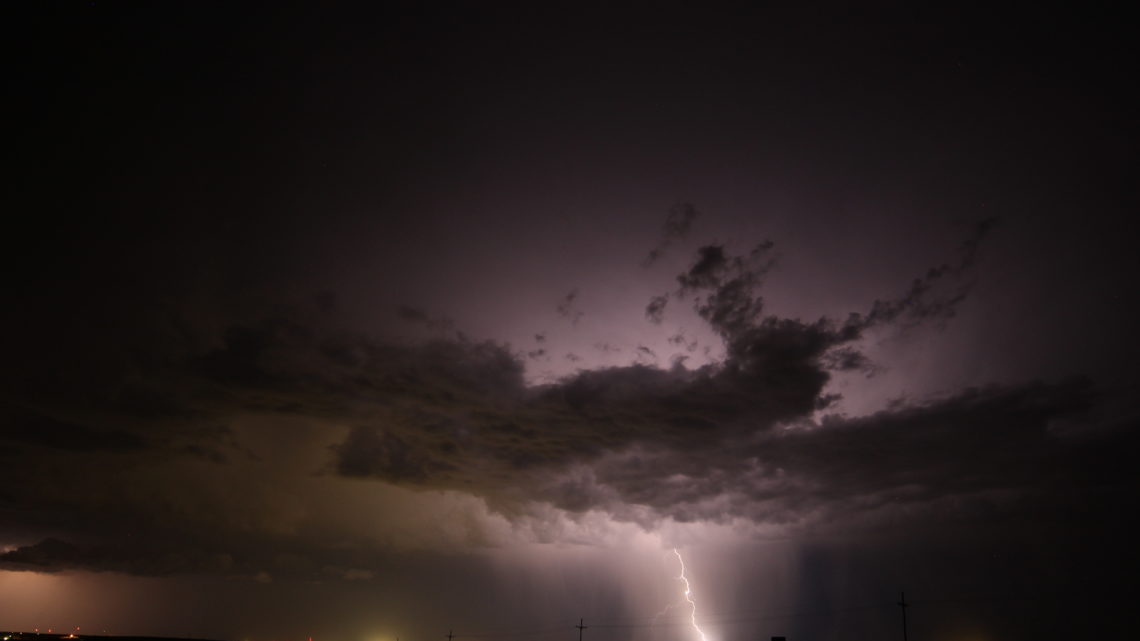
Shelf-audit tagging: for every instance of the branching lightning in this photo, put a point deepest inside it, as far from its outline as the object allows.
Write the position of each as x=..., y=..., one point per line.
x=689, y=598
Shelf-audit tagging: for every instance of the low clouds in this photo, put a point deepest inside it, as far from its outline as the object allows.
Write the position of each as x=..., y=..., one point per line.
x=568, y=307
x=935, y=295
x=416, y=316
x=25, y=427
x=675, y=228
x=655, y=310
x=369, y=452
x=159, y=559
x=736, y=440
x=961, y=457
x=723, y=288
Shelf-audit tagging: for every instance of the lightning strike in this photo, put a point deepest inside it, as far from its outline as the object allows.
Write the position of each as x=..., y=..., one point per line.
x=689, y=598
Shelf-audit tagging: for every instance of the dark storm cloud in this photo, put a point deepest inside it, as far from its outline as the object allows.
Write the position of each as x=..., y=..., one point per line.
x=368, y=451
x=646, y=352
x=655, y=310
x=937, y=294
x=680, y=340
x=288, y=360
x=846, y=359
x=637, y=425
x=972, y=456
x=676, y=228
x=438, y=405
x=640, y=442
x=567, y=307
x=55, y=555
x=417, y=316
x=167, y=553
x=19, y=425
x=775, y=372
x=724, y=287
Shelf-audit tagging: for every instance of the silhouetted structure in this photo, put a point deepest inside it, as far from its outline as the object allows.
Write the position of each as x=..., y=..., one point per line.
x=903, y=604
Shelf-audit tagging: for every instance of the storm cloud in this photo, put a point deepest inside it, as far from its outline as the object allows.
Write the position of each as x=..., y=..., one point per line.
x=359, y=323
x=739, y=440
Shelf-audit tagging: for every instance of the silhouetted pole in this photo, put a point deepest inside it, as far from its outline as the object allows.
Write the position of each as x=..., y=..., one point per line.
x=449, y=635
x=902, y=604
x=580, y=628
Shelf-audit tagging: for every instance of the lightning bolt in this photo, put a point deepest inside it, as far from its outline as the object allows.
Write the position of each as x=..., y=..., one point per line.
x=689, y=597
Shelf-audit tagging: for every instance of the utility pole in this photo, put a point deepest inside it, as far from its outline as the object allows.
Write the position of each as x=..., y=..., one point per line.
x=580, y=628
x=903, y=604
x=449, y=635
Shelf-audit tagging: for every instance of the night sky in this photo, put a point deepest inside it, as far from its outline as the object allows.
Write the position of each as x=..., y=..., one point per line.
x=357, y=324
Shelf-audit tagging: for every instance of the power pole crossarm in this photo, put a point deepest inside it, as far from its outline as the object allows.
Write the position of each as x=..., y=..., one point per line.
x=903, y=604
x=580, y=628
